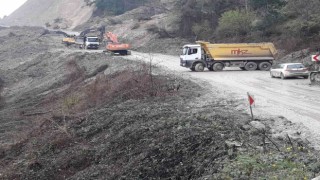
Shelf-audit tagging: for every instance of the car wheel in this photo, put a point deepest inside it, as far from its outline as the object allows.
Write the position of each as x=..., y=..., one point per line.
x=218, y=67
x=282, y=76
x=251, y=66
x=271, y=75
x=199, y=67
x=264, y=66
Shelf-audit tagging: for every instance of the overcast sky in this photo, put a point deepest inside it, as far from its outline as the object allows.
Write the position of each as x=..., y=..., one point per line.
x=8, y=6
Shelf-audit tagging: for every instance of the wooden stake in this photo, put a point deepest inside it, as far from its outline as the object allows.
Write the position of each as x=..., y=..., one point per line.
x=251, y=112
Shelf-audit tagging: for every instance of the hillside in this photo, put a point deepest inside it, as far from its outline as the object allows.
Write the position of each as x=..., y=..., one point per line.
x=76, y=114
x=70, y=113
x=64, y=13
x=288, y=24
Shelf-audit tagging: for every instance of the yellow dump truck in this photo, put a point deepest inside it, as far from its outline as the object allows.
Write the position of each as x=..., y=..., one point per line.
x=69, y=40
x=246, y=56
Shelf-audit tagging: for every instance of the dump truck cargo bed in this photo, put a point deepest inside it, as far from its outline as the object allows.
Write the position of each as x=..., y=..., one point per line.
x=239, y=51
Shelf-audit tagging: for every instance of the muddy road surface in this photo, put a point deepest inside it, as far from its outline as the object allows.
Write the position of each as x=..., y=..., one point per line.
x=293, y=99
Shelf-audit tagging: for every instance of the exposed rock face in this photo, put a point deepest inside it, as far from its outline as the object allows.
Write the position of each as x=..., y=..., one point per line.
x=53, y=13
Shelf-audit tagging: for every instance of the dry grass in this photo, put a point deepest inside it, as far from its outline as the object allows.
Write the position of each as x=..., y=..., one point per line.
x=53, y=132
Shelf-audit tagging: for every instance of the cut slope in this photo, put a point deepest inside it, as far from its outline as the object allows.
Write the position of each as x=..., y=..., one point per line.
x=40, y=12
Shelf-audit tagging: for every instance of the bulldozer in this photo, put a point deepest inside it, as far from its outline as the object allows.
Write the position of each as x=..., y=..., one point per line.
x=315, y=70
x=114, y=46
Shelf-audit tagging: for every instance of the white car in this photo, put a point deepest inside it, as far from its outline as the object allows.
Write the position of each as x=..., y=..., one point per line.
x=289, y=70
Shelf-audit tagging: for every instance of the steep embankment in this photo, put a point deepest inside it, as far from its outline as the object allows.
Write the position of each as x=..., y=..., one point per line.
x=77, y=114
x=62, y=13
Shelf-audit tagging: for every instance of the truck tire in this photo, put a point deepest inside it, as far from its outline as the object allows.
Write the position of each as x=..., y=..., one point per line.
x=251, y=66
x=265, y=66
x=315, y=77
x=123, y=53
x=218, y=67
x=199, y=67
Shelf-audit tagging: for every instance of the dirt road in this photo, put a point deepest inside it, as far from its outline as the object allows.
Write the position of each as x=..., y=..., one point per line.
x=293, y=99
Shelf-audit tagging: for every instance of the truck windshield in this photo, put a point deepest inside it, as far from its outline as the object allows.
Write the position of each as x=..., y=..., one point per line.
x=185, y=51
x=92, y=39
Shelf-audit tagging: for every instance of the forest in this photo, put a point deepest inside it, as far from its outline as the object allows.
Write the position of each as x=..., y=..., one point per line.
x=293, y=23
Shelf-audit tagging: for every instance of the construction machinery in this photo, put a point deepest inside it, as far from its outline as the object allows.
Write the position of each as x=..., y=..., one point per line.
x=69, y=40
x=114, y=46
x=315, y=70
x=88, y=39
x=215, y=57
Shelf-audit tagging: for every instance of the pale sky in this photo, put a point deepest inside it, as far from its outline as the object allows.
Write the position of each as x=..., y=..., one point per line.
x=8, y=6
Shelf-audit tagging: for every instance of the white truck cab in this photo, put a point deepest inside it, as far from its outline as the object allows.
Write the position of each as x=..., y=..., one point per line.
x=91, y=42
x=191, y=53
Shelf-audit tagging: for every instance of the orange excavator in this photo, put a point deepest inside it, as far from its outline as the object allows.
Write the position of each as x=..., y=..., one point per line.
x=114, y=46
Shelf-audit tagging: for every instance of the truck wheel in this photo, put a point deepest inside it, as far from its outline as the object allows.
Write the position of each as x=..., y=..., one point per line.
x=314, y=77
x=264, y=66
x=218, y=67
x=251, y=66
x=199, y=67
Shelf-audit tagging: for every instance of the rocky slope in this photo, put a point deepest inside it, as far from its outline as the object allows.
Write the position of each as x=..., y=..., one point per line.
x=62, y=13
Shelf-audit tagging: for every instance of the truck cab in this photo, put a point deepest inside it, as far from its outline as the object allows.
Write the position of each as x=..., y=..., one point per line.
x=191, y=54
x=91, y=42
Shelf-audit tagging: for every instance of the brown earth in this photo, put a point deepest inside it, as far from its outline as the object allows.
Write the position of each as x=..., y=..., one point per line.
x=75, y=114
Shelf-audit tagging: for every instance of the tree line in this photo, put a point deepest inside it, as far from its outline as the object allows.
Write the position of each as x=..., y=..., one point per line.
x=238, y=20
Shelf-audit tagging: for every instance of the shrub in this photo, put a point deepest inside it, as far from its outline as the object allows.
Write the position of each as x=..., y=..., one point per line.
x=132, y=83
x=235, y=23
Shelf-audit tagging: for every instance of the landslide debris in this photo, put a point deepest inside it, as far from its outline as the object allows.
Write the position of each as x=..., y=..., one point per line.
x=87, y=115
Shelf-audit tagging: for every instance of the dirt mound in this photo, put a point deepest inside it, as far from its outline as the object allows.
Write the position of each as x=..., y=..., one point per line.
x=58, y=13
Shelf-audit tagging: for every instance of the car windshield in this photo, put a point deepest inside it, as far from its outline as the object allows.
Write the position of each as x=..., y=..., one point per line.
x=279, y=66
